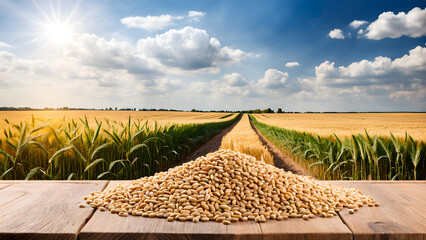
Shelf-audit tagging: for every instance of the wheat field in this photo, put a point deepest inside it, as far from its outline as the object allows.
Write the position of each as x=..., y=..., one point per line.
x=92, y=145
x=161, y=117
x=358, y=157
x=347, y=124
x=242, y=138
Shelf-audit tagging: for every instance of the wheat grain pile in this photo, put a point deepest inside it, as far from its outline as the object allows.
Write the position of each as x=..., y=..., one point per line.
x=227, y=186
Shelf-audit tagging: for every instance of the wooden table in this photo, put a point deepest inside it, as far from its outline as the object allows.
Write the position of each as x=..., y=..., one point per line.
x=49, y=209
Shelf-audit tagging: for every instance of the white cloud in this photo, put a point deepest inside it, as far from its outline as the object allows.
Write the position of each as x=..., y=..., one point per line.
x=156, y=23
x=113, y=72
x=307, y=84
x=161, y=85
x=6, y=59
x=401, y=79
x=380, y=71
x=235, y=80
x=174, y=52
x=357, y=23
x=357, y=73
x=292, y=64
x=149, y=23
x=189, y=49
x=389, y=25
x=4, y=45
x=200, y=87
x=336, y=33
x=59, y=70
x=110, y=85
x=91, y=50
x=273, y=83
x=36, y=82
x=195, y=16
x=273, y=79
x=231, y=84
x=413, y=62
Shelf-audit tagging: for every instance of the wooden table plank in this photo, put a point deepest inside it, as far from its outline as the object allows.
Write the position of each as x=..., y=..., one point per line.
x=297, y=228
x=44, y=209
x=401, y=215
x=413, y=195
x=41, y=209
x=3, y=185
x=106, y=225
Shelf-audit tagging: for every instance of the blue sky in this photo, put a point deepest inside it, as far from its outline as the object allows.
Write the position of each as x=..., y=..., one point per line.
x=214, y=55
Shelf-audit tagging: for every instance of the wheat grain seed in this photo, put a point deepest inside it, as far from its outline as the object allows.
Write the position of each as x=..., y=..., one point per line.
x=227, y=186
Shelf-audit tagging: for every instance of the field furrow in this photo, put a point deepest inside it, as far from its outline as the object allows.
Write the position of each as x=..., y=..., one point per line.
x=243, y=139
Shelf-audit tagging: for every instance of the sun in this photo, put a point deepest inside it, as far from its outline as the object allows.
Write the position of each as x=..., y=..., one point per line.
x=58, y=32
x=57, y=23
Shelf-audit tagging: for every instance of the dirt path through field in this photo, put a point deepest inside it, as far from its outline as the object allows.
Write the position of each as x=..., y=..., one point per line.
x=213, y=144
x=280, y=159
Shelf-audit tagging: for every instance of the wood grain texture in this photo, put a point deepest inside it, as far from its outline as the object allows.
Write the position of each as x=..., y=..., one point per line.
x=106, y=225
x=297, y=228
x=3, y=185
x=402, y=214
x=44, y=209
x=49, y=210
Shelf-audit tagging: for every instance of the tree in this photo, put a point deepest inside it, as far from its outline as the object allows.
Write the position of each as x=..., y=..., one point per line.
x=279, y=110
x=268, y=110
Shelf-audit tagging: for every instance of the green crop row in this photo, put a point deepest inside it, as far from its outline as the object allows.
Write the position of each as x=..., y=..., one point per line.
x=109, y=150
x=360, y=157
x=225, y=116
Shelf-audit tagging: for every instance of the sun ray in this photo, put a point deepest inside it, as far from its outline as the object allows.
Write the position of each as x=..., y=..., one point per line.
x=73, y=11
x=53, y=24
x=41, y=10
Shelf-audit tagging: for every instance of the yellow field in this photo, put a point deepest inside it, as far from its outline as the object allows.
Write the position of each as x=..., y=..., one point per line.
x=162, y=117
x=346, y=124
x=242, y=138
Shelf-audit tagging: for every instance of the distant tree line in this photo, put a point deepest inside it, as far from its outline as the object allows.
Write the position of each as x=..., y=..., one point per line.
x=97, y=109
x=42, y=109
x=221, y=111
x=267, y=110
